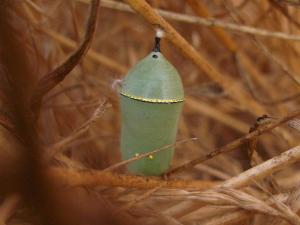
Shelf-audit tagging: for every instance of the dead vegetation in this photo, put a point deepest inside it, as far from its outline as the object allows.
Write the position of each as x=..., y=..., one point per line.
x=60, y=62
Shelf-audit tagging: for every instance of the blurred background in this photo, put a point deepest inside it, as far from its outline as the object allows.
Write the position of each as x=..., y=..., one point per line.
x=258, y=75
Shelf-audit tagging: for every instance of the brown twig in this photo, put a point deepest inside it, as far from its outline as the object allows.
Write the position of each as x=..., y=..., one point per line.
x=240, y=199
x=6, y=123
x=209, y=22
x=284, y=12
x=92, y=54
x=222, y=36
x=241, y=63
x=229, y=43
x=290, y=2
x=140, y=156
x=256, y=173
x=269, y=183
x=236, y=143
x=221, y=117
x=53, y=78
x=57, y=147
x=70, y=44
x=144, y=196
x=92, y=178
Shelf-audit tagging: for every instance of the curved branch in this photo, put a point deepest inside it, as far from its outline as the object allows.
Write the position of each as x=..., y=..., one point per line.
x=53, y=78
x=236, y=143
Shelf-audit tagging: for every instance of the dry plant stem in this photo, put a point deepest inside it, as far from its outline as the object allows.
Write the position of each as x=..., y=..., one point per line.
x=140, y=198
x=233, y=88
x=230, y=218
x=238, y=142
x=204, y=22
x=284, y=12
x=57, y=147
x=256, y=75
x=83, y=104
x=287, y=211
x=6, y=123
x=125, y=162
x=294, y=77
x=35, y=7
x=92, y=54
x=53, y=78
x=64, y=90
x=210, y=111
x=290, y=2
x=240, y=199
x=208, y=212
x=8, y=207
x=94, y=178
x=70, y=44
x=264, y=169
x=229, y=43
x=219, y=212
x=243, y=73
x=282, y=100
x=232, y=197
x=223, y=37
x=269, y=183
x=265, y=50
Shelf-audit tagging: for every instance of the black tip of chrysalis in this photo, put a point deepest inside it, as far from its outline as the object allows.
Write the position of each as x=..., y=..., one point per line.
x=157, y=44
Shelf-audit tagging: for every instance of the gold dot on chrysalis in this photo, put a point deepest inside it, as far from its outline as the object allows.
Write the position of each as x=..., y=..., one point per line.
x=150, y=156
x=136, y=154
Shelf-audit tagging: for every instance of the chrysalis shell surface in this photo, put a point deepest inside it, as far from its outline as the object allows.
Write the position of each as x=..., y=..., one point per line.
x=151, y=103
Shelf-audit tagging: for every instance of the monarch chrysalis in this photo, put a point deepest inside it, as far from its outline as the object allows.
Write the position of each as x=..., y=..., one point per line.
x=151, y=99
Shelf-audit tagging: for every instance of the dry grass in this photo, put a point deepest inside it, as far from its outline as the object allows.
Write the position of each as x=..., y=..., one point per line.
x=59, y=135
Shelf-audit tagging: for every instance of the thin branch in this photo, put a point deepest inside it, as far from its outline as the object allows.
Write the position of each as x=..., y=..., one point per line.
x=294, y=77
x=284, y=12
x=272, y=165
x=209, y=22
x=64, y=90
x=265, y=50
x=92, y=178
x=229, y=43
x=240, y=199
x=290, y=2
x=140, y=198
x=221, y=117
x=92, y=54
x=53, y=78
x=6, y=123
x=236, y=143
x=70, y=44
x=140, y=156
x=250, y=85
x=83, y=104
x=269, y=183
x=59, y=146
x=234, y=198
x=240, y=61
x=225, y=39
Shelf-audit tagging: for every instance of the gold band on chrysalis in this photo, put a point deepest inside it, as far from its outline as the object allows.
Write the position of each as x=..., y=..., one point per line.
x=152, y=100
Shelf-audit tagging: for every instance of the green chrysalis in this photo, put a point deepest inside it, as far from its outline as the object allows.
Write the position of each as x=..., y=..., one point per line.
x=151, y=99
